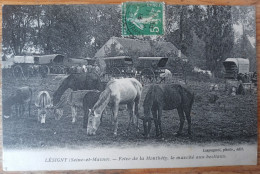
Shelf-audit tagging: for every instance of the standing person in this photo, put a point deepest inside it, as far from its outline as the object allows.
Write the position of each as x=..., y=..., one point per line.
x=84, y=69
x=97, y=69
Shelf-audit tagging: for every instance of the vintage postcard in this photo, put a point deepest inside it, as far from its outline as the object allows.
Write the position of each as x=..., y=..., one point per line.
x=132, y=85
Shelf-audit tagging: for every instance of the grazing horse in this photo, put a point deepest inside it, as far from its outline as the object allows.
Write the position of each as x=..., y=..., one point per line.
x=89, y=100
x=43, y=103
x=83, y=81
x=21, y=97
x=76, y=100
x=83, y=99
x=118, y=91
x=166, y=97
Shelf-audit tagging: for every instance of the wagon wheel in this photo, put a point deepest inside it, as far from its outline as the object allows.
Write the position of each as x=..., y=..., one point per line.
x=59, y=69
x=56, y=69
x=63, y=69
x=147, y=76
x=30, y=71
x=44, y=70
x=18, y=71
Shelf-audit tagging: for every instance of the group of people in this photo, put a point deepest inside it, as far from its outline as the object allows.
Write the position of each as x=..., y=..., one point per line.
x=84, y=69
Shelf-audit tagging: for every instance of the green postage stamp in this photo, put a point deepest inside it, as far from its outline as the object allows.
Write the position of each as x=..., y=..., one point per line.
x=142, y=18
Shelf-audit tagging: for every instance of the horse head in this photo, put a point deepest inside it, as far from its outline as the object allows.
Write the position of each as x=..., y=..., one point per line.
x=93, y=122
x=7, y=111
x=7, y=106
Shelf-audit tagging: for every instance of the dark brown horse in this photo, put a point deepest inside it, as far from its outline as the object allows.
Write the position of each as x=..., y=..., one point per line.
x=21, y=97
x=89, y=101
x=166, y=97
x=84, y=81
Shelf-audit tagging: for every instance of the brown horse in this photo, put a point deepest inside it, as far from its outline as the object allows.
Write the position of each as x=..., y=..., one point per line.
x=21, y=98
x=89, y=101
x=84, y=81
x=166, y=97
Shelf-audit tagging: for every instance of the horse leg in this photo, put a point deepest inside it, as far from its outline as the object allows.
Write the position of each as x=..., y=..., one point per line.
x=39, y=114
x=102, y=115
x=115, y=114
x=17, y=108
x=188, y=117
x=131, y=113
x=159, y=116
x=182, y=119
x=74, y=113
x=137, y=112
x=112, y=116
x=155, y=112
x=85, y=118
x=22, y=109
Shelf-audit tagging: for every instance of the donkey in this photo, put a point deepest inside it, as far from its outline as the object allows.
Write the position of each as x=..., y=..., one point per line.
x=84, y=81
x=118, y=91
x=166, y=97
x=21, y=97
x=43, y=103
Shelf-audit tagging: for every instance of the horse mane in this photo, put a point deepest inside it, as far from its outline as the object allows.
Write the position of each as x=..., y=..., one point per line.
x=88, y=81
x=62, y=88
x=103, y=101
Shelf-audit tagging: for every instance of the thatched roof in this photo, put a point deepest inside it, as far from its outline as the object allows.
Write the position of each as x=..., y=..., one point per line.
x=140, y=48
x=134, y=45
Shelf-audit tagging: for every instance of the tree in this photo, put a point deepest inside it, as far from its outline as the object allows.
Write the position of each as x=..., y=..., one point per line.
x=16, y=27
x=180, y=33
x=76, y=31
x=218, y=36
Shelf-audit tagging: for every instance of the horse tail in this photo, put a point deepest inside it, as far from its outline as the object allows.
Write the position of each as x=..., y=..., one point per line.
x=103, y=100
x=189, y=95
x=137, y=85
x=192, y=99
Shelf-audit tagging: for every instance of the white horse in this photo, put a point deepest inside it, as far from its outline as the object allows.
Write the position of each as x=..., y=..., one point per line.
x=43, y=103
x=118, y=91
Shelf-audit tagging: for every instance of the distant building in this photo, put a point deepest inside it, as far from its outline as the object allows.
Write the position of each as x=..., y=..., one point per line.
x=116, y=46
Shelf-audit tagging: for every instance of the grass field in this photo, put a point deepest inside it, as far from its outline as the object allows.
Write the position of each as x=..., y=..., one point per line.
x=231, y=120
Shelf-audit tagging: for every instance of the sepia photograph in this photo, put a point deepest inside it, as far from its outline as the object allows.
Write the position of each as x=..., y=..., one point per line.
x=132, y=85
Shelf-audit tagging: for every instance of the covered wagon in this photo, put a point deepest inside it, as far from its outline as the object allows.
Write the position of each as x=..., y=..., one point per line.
x=150, y=68
x=26, y=66
x=235, y=66
x=120, y=66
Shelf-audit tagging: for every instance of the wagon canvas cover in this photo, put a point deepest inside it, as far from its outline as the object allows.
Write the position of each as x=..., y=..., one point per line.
x=192, y=42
